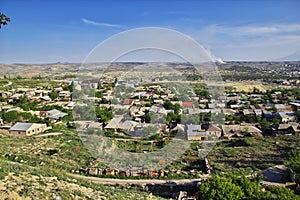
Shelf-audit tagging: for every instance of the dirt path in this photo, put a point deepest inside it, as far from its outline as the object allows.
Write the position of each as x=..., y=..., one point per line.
x=49, y=134
x=113, y=181
x=8, y=84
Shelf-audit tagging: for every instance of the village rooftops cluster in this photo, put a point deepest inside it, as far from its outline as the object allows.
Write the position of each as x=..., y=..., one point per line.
x=155, y=105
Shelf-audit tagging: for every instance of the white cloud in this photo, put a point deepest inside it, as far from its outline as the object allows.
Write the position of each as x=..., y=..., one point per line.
x=251, y=42
x=270, y=29
x=94, y=23
x=273, y=48
x=255, y=29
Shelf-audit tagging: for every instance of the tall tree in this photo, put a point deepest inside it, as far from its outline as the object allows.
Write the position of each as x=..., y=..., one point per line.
x=3, y=20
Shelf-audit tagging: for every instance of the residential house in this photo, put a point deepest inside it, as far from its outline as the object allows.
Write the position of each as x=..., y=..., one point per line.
x=235, y=106
x=295, y=128
x=205, y=110
x=195, y=132
x=222, y=98
x=239, y=131
x=248, y=112
x=258, y=106
x=6, y=94
x=117, y=123
x=269, y=106
x=16, y=96
x=214, y=130
x=198, y=132
x=171, y=96
x=267, y=114
x=216, y=105
x=286, y=116
x=114, y=123
x=64, y=94
x=284, y=129
x=159, y=101
x=258, y=112
x=280, y=107
x=127, y=125
x=128, y=101
x=94, y=171
x=216, y=111
x=88, y=124
x=40, y=93
x=27, y=129
x=120, y=109
x=58, y=89
x=54, y=114
x=70, y=105
x=290, y=128
x=45, y=98
x=295, y=106
x=187, y=104
x=193, y=111
x=226, y=111
x=203, y=101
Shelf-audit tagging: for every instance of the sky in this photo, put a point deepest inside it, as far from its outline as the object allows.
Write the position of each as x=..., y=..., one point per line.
x=66, y=31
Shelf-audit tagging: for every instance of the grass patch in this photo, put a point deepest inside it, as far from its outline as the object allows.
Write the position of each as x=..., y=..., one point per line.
x=251, y=154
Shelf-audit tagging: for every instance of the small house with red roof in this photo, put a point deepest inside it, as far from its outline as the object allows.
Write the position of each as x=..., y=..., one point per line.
x=128, y=101
x=187, y=104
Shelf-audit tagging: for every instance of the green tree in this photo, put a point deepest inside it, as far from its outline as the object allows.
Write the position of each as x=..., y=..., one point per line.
x=282, y=193
x=220, y=188
x=147, y=117
x=11, y=116
x=53, y=95
x=202, y=93
x=176, y=108
x=168, y=105
x=298, y=115
x=99, y=94
x=173, y=117
x=251, y=188
x=294, y=160
x=104, y=114
x=3, y=20
x=265, y=125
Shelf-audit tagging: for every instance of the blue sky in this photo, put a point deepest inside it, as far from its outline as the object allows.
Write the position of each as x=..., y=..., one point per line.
x=66, y=31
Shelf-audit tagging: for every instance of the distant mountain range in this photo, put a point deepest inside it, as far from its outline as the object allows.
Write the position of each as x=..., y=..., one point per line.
x=293, y=57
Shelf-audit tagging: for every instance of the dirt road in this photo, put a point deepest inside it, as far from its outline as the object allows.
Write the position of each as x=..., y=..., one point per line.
x=113, y=181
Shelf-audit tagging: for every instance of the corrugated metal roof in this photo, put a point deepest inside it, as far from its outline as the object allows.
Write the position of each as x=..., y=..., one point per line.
x=19, y=126
x=194, y=130
x=114, y=123
x=56, y=114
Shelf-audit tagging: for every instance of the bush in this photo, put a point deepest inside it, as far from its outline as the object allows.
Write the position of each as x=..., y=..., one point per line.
x=234, y=187
x=220, y=188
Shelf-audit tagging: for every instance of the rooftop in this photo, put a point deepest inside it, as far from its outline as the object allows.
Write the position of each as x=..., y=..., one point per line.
x=20, y=126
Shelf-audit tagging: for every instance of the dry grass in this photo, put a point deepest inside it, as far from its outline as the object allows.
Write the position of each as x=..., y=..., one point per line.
x=249, y=86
